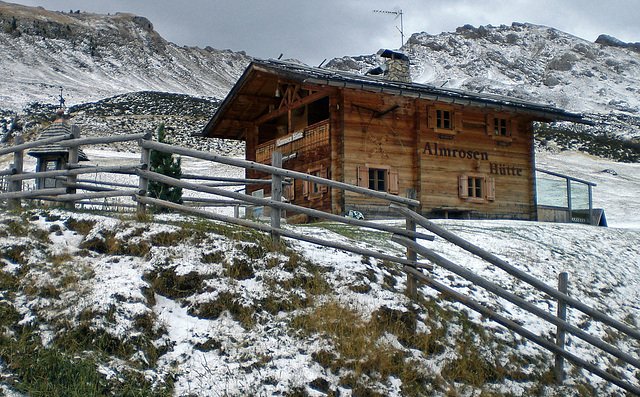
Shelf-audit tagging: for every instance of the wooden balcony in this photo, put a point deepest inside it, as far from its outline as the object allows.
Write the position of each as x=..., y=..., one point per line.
x=295, y=144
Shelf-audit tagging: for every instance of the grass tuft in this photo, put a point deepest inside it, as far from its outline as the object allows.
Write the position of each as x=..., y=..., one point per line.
x=167, y=283
x=359, y=351
x=83, y=226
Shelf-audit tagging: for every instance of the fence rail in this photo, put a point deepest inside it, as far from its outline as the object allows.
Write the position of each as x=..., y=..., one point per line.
x=85, y=191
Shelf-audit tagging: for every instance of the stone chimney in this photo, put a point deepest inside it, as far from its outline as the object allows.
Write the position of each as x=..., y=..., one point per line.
x=397, y=66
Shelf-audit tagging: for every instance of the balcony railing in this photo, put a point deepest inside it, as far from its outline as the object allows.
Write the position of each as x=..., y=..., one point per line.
x=571, y=195
x=296, y=143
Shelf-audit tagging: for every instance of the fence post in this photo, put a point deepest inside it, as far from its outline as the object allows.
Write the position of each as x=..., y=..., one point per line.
x=590, y=198
x=563, y=279
x=145, y=159
x=276, y=195
x=412, y=284
x=73, y=161
x=18, y=167
x=569, y=201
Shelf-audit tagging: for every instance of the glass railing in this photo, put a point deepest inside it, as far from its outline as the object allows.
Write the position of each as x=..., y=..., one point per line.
x=572, y=195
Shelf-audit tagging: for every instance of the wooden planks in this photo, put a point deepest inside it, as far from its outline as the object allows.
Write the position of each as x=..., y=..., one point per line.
x=381, y=131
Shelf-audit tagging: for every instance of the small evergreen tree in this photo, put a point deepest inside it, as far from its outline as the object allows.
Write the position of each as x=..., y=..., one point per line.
x=164, y=163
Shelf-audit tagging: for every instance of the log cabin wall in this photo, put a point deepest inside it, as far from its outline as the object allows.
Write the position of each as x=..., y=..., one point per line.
x=461, y=161
x=464, y=154
x=480, y=166
x=303, y=136
x=379, y=139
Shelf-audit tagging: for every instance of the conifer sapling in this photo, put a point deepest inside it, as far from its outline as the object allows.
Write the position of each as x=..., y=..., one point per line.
x=165, y=164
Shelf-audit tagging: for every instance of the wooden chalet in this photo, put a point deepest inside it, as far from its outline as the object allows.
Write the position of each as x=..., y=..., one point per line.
x=463, y=154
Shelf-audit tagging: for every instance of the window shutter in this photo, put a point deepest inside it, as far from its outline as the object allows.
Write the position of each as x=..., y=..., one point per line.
x=463, y=186
x=491, y=127
x=431, y=117
x=513, y=128
x=363, y=177
x=290, y=191
x=457, y=121
x=306, y=187
x=491, y=189
x=394, y=181
x=323, y=173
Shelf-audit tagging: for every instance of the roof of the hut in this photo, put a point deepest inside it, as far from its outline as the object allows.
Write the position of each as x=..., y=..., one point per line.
x=250, y=98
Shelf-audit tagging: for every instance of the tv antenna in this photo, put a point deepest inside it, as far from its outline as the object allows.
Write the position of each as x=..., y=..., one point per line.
x=397, y=13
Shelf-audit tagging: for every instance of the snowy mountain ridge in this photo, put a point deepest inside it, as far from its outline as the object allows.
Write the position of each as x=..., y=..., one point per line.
x=95, y=56
x=530, y=62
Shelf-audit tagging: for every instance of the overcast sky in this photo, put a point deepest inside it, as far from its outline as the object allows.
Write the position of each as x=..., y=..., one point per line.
x=314, y=30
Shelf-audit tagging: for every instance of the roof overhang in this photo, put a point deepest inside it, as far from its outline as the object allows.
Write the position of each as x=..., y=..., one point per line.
x=256, y=91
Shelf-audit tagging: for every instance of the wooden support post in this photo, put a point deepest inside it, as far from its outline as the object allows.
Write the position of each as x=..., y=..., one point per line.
x=276, y=195
x=18, y=167
x=569, y=201
x=412, y=284
x=590, y=193
x=560, y=334
x=73, y=162
x=145, y=160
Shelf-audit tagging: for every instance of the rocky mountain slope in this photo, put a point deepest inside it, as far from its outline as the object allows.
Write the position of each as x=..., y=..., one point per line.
x=98, y=56
x=531, y=62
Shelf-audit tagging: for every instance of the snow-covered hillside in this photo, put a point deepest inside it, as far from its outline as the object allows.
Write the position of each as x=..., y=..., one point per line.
x=180, y=306
x=531, y=62
x=205, y=309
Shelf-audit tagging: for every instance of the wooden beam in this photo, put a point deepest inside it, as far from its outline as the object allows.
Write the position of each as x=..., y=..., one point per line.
x=280, y=205
x=304, y=101
x=234, y=123
x=263, y=100
x=515, y=272
x=377, y=113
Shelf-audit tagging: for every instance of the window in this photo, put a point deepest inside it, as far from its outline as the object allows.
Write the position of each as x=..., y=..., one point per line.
x=313, y=190
x=316, y=188
x=500, y=127
x=476, y=187
x=444, y=120
x=378, y=177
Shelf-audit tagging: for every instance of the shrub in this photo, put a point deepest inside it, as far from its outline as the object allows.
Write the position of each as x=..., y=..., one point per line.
x=164, y=163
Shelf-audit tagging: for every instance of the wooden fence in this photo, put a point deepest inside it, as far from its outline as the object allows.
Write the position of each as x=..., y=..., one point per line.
x=407, y=236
